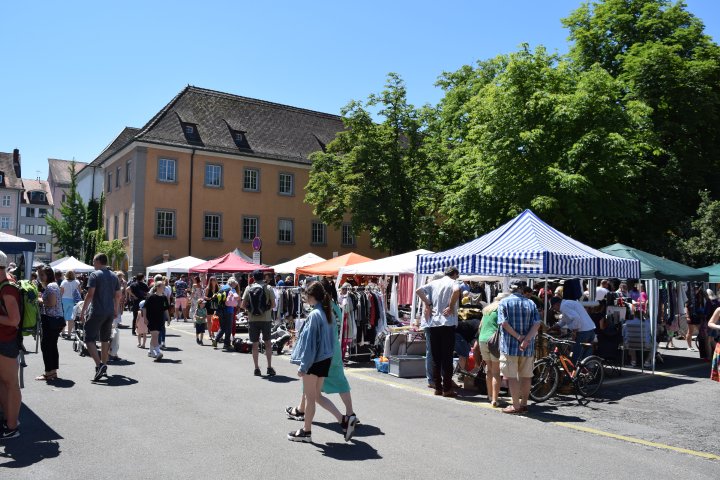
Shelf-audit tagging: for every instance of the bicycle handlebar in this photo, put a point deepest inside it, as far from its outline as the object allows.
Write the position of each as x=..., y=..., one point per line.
x=562, y=341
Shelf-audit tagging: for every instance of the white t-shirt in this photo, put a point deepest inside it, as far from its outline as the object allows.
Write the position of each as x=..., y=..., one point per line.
x=601, y=293
x=69, y=287
x=575, y=317
x=439, y=292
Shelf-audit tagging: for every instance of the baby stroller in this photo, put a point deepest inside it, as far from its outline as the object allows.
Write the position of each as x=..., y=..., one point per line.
x=279, y=337
x=79, y=345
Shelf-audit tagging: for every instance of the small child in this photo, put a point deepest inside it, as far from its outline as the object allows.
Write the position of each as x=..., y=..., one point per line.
x=200, y=321
x=141, y=327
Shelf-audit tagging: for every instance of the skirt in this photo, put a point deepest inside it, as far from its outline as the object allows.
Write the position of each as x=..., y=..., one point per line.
x=715, y=369
x=336, y=382
x=68, y=304
x=141, y=327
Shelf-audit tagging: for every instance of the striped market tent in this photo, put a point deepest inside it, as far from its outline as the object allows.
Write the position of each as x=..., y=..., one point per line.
x=527, y=246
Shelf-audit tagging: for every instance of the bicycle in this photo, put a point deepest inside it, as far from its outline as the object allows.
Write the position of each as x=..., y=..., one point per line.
x=586, y=378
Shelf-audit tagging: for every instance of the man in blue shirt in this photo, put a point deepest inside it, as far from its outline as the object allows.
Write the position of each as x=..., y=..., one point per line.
x=520, y=320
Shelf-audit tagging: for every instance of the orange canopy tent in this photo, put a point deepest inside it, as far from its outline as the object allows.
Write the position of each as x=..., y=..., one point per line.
x=332, y=267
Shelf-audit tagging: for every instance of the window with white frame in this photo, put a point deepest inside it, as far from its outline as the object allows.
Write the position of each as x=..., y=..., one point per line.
x=109, y=182
x=6, y=201
x=285, y=230
x=287, y=184
x=42, y=212
x=165, y=223
x=41, y=230
x=212, y=226
x=213, y=175
x=167, y=170
x=42, y=247
x=319, y=233
x=27, y=229
x=348, y=239
x=28, y=212
x=116, y=226
x=250, y=228
x=5, y=223
x=128, y=170
x=251, y=180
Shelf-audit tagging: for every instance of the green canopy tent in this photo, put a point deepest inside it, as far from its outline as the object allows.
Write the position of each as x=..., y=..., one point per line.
x=713, y=271
x=653, y=269
x=658, y=268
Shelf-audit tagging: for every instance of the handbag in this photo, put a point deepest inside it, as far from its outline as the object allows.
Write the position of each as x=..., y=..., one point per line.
x=494, y=344
x=76, y=295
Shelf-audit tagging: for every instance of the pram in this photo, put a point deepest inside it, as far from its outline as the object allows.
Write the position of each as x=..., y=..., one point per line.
x=79, y=344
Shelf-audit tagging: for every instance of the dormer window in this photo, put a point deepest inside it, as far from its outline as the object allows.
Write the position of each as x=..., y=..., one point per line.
x=2, y=178
x=192, y=135
x=240, y=139
x=37, y=197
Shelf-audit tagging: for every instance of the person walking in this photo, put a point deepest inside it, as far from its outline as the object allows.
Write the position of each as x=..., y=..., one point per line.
x=181, y=299
x=259, y=300
x=70, y=290
x=441, y=299
x=196, y=293
x=103, y=303
x=53, y=323
x=520, y=320
x=10, y=396
x=155, y=311
x=141, y=326
x=138, y=292
x=488, y=327
x=227, y=300
x=200, y=321
x=313, y=354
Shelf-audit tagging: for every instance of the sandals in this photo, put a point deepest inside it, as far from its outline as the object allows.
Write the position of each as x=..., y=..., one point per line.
x=511, y=410
x=46, y=377
x=294, y=414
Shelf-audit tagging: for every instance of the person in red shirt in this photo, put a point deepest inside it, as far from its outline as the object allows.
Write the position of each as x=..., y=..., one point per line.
x=10, y=397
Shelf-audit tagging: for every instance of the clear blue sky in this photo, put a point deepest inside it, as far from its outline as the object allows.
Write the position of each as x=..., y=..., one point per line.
x=75, y=73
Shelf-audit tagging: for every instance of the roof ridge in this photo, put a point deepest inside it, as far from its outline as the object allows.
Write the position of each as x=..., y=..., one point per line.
x=159, y=115
x=258, y=101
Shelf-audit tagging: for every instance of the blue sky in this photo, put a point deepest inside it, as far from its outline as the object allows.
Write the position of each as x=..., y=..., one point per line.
x=75, y=73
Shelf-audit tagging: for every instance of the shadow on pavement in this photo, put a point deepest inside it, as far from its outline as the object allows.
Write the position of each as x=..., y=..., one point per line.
x=361, y=430
x=172, y=349
x=116, y=381
x=61, y=383
x=37, y=442
x=168, y=360
x=350, y=452
x=281, y=379
x=121, y=363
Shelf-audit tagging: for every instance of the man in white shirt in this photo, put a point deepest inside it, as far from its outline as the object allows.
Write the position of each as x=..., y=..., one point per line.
x=577, y=320
x=602, y=291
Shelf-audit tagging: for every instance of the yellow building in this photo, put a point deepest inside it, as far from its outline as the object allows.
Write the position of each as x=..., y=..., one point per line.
x=209, y=173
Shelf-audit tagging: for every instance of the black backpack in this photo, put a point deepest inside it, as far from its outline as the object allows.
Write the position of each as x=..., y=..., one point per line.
x=258, y=300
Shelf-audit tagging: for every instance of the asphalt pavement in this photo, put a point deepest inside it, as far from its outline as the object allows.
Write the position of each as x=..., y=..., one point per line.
x=200, y=412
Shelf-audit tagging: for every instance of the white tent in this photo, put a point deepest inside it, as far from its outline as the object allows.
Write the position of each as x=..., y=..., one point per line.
x=301, y=261
x=181, y=265
x=404, y=263
x=71, y=263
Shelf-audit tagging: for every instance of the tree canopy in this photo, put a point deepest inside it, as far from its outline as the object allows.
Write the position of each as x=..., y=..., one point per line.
x=67, y=230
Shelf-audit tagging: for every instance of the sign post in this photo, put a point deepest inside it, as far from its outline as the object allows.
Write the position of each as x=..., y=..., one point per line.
x=257, y=247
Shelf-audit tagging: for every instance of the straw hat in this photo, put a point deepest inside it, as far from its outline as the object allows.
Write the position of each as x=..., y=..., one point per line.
x=711, y=295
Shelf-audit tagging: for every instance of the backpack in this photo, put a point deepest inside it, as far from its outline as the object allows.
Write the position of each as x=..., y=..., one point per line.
x=29, y=308
x=258, y=300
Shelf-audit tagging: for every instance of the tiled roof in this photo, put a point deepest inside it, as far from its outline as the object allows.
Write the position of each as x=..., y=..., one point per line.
x=30, y=185
x=60, y=170
x=272, y=130
x=126, y=136
x=6, y=166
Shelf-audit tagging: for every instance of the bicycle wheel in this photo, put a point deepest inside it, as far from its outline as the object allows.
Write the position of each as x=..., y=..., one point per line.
x=546, y=377
x=590, y=376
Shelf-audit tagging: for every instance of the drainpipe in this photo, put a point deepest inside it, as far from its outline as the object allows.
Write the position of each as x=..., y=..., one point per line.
x=192, y=167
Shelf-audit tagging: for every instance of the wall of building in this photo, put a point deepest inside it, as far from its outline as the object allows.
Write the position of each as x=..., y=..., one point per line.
x=43, y=251
x=86, y=177
x=10, y=212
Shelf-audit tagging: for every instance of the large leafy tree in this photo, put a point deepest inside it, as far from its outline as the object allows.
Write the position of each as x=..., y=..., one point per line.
x=527, y=130
x=374, y=172
x=67, y=230
x=115, y=251
x=702, y=247
x=93, y=232
x=661, y=56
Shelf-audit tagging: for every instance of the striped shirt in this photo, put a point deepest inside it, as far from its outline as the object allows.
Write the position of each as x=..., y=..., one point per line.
x=521, y=314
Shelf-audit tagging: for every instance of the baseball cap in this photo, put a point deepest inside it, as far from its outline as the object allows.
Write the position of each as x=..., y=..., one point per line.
x=3, y=259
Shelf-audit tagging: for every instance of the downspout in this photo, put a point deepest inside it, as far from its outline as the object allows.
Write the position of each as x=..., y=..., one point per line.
x=192, y=167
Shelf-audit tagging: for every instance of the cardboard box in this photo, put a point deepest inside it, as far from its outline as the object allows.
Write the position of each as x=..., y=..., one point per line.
x=407, y=366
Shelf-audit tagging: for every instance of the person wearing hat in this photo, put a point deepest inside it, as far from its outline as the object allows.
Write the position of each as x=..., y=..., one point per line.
x=259, y=300
x=200, y=321
x=575, y=318
x=10, y=396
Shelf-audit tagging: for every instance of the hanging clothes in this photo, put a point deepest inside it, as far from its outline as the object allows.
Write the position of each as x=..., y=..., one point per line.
x=394, y=309
x=406, y=286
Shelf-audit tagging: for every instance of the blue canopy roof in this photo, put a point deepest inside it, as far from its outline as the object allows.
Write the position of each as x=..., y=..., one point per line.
x=530, y=247
x=11, y=244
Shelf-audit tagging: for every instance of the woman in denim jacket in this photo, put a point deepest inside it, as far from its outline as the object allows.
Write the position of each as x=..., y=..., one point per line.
x=313, y=352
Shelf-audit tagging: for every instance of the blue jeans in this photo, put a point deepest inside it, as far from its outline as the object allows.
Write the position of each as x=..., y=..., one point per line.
x=161, y=336
x=581, y=351
x=226, y=319
x=428, y=360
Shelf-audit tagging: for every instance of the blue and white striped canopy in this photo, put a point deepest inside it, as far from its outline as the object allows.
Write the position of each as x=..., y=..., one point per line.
x=528, y=246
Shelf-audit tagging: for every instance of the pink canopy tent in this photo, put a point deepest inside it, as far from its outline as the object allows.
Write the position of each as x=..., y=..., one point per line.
x=230, y=263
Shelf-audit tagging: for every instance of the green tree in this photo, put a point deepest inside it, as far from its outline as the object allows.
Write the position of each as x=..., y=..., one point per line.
x=702, y=247
x=662, y=57
x=93, y=223
x=527, y=130
x=115, y=251
x=374, y=172
x=67, y=230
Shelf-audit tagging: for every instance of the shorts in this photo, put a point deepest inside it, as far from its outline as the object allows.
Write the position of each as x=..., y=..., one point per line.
x=9, y=349
x=200, y=328
x=155, y=326
x=321, y=368
x=462, y=347
x=181, y=303
x=485, y=352
x=695, y=321
x=516, y=367
x=255, y=328
x=99, y=327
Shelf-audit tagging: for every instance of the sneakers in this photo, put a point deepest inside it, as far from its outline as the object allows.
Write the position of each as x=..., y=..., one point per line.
x=100, y=371
x=271, y=372
x=257, y=372
x=198, y=341
x=294, y=414
x=351, y=422
x=159, y=357
x=300, y=436
x=151, y=353
x=8, y=433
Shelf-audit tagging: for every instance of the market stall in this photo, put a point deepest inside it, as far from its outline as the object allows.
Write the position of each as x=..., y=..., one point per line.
x=180, y=265
x=229, y=263
x=330, y=268
x=71, y=263
x=299, y=262
x=713, y=271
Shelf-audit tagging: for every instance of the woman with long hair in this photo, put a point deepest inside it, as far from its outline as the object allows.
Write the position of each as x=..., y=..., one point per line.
x=488, y=327
x=211, y=303
x=70, y=290
x=53, y=323
x=313, y=354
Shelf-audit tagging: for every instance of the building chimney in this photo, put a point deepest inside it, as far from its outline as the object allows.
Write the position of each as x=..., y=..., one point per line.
x=16, y=163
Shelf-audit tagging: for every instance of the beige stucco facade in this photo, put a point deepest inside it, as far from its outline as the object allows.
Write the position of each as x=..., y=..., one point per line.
x=137, y=201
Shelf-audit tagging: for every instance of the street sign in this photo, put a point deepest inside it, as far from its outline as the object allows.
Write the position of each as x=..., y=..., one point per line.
x=256, y=258
x=257, y=244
